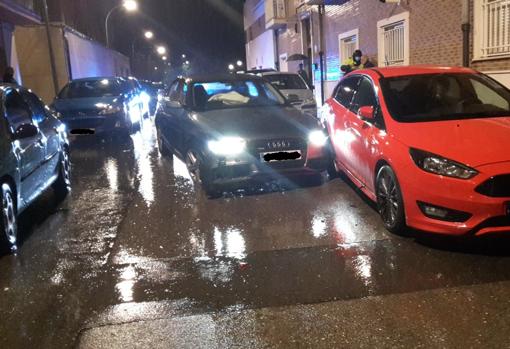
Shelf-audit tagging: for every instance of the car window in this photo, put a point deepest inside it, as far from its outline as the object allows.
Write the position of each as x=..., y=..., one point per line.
x=488, y=96
x=432, y=97
x=173, y=92
x=286, y=81
x=364, y=96
x=92, y=89
x=345, y=90
x=36, y=105
x=17, y=110
x=235, y=94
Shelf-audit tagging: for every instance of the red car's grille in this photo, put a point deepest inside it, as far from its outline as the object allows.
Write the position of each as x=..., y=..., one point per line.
x=496, y=187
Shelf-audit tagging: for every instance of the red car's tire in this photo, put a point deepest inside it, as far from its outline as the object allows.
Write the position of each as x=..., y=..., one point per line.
x=389, y=201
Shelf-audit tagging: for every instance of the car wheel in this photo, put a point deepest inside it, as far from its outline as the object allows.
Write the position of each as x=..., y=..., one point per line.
x=199, y=175
x=163, y=148
x=9, y=223
x=389, y=200
x=332, y=168
x=62, y=185
x=193, y=164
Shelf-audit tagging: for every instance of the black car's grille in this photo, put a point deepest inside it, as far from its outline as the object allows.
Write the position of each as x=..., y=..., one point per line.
x=496, y=187
x=259, y=147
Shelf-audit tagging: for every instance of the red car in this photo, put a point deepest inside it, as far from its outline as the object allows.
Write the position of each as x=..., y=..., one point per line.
x=430, y=145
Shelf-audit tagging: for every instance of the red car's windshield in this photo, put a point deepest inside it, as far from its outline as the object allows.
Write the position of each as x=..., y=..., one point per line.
x=433, y=97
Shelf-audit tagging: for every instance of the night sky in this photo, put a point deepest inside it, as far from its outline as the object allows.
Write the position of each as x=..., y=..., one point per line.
x=209, y=32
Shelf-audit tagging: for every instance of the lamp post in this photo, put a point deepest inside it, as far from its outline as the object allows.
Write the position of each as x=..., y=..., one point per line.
x=148, y=35
x=128, y=5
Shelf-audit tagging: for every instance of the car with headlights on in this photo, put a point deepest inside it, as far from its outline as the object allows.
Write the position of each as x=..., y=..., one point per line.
x=34, y=153
x=100, y=105
x=428, y=144
x=294, y=88
x=235, y=129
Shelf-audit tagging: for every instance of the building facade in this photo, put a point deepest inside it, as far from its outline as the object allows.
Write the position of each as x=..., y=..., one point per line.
x=405, y=32
x=13, y=13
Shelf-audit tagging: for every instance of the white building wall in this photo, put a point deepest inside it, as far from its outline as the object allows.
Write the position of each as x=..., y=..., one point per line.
x=260, y=52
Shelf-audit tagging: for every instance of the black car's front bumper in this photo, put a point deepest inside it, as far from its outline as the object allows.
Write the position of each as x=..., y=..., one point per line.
x=224, y=175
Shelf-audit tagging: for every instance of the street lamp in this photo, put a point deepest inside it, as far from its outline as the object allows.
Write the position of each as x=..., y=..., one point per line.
x=128, y=5
x=147, y=34
x=231, y=67
x=164, y=58
x=187, y=62
x=239, y=63
x=183, y=56
x=161, y=50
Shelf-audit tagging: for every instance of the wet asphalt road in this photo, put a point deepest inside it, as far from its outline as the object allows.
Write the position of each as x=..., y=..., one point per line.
x=138, y=257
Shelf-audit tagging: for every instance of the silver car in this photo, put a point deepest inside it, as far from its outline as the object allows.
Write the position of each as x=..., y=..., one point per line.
x=294, y=88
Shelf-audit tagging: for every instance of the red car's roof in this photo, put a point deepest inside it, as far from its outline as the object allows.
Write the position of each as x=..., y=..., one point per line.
x=389, y=72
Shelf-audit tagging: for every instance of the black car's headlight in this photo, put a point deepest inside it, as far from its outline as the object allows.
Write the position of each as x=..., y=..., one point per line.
x=227, y=146
x=441, y=166
x=317, y=138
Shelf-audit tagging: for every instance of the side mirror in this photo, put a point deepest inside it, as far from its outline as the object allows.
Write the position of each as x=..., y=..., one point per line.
x=173, y=104
x=366, y=113
x=293, y=98
x=26, y=131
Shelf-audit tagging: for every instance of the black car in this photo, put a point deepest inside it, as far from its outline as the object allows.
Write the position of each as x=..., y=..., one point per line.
x=99, y=105
x=237, y=128
x=35, y=155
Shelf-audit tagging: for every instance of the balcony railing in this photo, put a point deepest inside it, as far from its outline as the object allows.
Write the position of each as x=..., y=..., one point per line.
x=276, y=13
x=394, y=44
x=496, y=27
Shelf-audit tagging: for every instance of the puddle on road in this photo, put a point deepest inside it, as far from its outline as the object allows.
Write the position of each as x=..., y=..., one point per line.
x=233, y=280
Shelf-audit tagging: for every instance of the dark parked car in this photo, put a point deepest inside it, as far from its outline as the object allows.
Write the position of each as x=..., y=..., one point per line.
x=237, y=128
x=97, y=105
x=35, y=155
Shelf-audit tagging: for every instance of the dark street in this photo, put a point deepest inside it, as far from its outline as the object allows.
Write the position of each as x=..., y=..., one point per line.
x=138, y=257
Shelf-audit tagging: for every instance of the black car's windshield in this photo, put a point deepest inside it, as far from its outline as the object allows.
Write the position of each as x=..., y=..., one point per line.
x=234, y=94
x=92, y=89
x=433, y=97
x=286, y=81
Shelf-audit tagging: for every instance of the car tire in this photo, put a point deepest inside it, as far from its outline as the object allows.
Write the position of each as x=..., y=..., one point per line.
x=390, y=203
x=163, y=147
x=332, y=169
x=9, y=221
x=199, y=175
x=62, y=185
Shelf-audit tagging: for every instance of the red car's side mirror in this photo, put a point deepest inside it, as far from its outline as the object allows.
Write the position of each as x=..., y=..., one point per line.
x=366, y=113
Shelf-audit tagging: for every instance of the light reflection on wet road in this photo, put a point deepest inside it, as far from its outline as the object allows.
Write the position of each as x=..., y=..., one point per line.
x=138, y=250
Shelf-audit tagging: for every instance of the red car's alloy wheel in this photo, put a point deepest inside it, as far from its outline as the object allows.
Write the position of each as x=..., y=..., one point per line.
x=389, y=200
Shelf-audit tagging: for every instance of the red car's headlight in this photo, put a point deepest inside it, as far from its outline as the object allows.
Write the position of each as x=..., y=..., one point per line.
x=441, y=166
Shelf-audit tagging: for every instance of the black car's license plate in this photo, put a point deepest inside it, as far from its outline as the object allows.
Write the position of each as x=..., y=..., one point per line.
x=281, y=155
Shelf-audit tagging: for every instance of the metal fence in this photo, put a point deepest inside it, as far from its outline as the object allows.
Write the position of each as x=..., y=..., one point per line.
x=394, y=44
x=496, y=27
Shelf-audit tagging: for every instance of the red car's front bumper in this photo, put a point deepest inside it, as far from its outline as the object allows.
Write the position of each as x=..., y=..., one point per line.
x=487, y=214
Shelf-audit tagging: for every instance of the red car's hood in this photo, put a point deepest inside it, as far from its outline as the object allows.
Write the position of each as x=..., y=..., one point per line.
x=473, y=142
